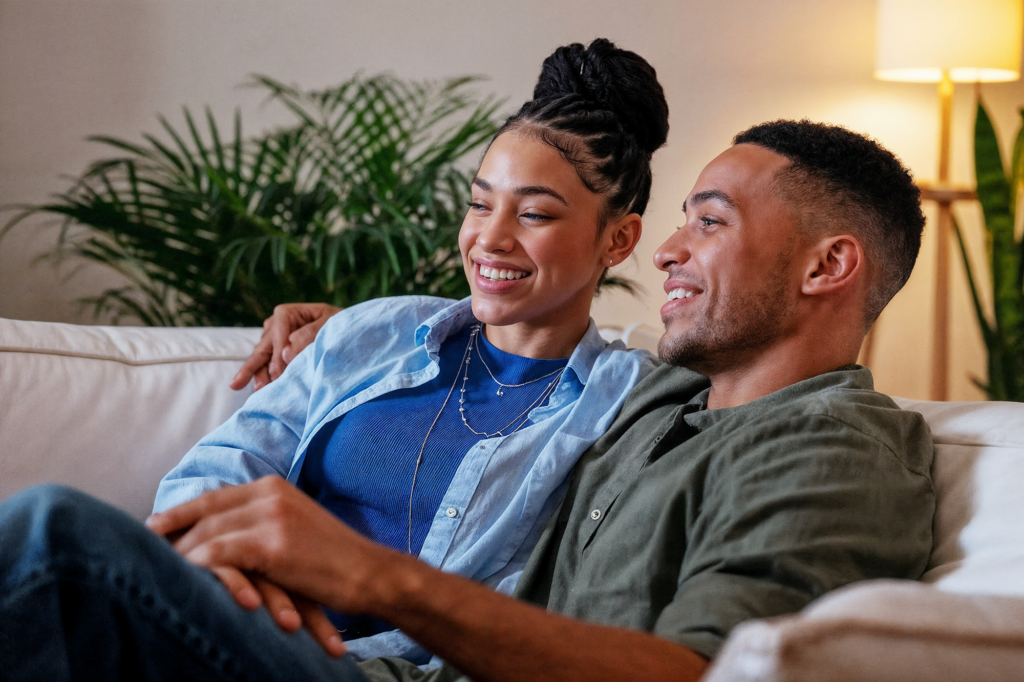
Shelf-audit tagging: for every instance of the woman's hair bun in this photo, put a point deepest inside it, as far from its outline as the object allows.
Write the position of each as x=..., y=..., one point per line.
x=611, y=78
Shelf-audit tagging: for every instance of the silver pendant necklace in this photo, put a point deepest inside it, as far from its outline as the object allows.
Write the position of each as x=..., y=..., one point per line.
x=419, y=457
x=467, y=357
x=501, y=386
x=540, y=399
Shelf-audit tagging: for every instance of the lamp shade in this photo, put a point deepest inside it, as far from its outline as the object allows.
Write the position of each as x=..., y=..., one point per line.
x=972, y=40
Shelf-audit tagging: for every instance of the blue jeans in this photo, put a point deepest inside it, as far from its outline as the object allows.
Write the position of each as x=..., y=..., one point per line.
x=87, y=592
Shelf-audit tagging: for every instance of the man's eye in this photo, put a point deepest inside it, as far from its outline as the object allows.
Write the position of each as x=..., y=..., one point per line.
x=706, y=221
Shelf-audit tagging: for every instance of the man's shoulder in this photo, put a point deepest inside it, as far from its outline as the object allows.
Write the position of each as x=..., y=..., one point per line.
x=844, y=405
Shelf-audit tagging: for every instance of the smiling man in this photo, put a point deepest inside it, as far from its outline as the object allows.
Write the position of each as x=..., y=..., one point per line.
x=753, y=472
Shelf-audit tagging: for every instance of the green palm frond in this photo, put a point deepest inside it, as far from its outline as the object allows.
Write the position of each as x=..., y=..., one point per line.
x=361, y=196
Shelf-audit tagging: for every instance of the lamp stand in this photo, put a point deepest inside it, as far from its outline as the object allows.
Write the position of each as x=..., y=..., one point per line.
x=945, y=195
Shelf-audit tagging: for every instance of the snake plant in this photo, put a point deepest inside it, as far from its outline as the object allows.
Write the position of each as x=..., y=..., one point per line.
x=360, y=196
x=999, y=193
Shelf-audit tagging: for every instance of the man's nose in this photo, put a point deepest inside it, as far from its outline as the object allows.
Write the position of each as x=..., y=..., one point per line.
x=675, y=250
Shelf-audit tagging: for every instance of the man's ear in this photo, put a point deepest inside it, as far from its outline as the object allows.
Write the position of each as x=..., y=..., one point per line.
x=621, y=237
x=837, y=263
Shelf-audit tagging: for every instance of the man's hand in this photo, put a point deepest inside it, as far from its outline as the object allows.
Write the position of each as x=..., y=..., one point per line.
x=272, y=530
x=292, y=327
x=266, y=541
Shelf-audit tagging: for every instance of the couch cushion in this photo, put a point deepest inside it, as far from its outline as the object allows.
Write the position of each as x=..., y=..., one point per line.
x=109, y=410
x=878, y=631
x=979, y=484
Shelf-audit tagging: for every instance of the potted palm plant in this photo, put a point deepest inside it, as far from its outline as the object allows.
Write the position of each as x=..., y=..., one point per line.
x=360, y=196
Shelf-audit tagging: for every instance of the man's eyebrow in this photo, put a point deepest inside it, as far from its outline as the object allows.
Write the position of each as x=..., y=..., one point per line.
x=523, y=191
x=710, y=195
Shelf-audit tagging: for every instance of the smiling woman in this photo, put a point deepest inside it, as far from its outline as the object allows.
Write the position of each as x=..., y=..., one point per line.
x=367, y=420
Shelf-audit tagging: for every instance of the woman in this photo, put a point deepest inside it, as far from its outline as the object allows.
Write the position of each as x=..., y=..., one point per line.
x=448, y=429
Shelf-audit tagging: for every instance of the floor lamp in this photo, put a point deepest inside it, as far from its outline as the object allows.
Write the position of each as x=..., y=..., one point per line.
x=946, y=42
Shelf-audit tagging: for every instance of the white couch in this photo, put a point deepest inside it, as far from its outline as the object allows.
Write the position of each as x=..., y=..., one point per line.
x=110, y=409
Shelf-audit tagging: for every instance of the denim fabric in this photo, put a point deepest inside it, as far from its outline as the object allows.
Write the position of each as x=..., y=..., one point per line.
x=503, y=491
x=86, y=592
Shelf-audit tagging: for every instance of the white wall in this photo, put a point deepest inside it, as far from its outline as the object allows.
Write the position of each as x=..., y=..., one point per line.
x=72, y=68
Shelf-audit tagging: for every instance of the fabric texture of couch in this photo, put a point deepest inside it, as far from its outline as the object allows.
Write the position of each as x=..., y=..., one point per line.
x=109, y=410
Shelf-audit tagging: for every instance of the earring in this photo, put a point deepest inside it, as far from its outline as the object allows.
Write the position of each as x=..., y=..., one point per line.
x=611, y=261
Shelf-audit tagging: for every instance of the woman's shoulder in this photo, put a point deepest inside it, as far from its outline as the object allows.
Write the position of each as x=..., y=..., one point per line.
x=390, y=309
x=390, y=312
x=621, y=366
x=617, y=354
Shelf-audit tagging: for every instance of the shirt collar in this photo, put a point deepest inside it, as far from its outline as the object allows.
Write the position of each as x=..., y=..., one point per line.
x=853, y=377
x=458, y=316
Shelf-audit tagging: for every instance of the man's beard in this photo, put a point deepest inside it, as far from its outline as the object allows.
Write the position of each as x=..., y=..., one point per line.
x=748, y=322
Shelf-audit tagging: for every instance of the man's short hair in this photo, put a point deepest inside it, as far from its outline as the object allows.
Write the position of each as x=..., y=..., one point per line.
x=841, y=181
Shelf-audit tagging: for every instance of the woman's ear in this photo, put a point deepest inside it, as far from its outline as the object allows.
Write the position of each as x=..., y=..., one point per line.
x=620, y=238
x=837, y=263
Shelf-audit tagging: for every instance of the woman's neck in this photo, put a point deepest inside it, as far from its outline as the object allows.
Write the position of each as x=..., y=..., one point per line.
x=539, y=343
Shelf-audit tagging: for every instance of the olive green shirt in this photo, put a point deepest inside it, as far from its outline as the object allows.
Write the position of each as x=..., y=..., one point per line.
x=684, y=521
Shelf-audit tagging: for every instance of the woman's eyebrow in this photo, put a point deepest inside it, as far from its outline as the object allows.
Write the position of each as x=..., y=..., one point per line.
x=528, y=191
x=539, y=189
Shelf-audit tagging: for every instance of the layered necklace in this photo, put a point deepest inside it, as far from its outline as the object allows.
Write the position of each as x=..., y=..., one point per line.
x=467, y=358
x=474, y=343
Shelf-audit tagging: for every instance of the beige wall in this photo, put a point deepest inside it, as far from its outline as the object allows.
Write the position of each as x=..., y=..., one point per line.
x=72, y=68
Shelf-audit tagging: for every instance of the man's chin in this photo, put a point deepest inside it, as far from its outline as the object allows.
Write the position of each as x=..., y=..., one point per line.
x=676, y=351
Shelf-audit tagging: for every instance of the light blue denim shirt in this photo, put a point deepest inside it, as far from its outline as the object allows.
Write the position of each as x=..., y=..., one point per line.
x=503, y=491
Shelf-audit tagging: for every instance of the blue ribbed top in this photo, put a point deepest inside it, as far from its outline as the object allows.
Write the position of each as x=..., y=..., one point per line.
x=360, y=466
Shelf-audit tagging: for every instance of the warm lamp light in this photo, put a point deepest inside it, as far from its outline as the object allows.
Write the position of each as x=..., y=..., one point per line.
x=946, y=41
x=971, y=40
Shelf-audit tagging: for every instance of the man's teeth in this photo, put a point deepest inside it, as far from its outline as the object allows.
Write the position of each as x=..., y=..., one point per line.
x=680, y=293
x=499, y=274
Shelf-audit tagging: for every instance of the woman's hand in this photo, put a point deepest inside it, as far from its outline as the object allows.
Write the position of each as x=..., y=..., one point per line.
x=292, y=327
x=271, y=532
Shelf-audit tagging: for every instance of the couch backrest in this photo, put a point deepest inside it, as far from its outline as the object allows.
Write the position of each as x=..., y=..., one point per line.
x=979, y=484
x=110, y=410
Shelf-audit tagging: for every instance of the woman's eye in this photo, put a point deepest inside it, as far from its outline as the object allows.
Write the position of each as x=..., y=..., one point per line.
x=473, y=204
x=536, y=216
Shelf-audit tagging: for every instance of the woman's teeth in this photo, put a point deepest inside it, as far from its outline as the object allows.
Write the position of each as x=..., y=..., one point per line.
x=498, y=274
x=680, y=293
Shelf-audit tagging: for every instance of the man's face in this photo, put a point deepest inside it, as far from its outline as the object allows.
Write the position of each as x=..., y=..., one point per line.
x=731, y=284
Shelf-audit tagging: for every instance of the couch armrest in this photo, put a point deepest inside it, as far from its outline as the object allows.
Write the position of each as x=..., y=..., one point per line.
x=881, y=630
x=109, y=410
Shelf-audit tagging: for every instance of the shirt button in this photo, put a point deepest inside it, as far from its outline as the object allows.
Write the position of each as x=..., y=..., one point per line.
x=596, y=514
x=452, y=512
x=483, y=447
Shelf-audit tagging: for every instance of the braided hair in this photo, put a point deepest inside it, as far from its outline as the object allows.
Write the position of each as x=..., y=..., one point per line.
x=604, y=111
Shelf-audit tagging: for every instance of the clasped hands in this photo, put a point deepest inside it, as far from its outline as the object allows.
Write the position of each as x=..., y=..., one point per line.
x=269, y=543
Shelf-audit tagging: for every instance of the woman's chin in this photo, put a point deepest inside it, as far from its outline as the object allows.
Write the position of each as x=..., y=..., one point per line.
x=494, y=313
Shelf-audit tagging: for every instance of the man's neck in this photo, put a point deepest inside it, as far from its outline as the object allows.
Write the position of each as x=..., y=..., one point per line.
x=771, y=370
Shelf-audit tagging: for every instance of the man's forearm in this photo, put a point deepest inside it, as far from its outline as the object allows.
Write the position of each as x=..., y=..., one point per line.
x=271, y=529
x=491, y=637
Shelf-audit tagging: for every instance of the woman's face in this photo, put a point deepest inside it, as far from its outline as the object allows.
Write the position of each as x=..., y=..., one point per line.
x=529, y=241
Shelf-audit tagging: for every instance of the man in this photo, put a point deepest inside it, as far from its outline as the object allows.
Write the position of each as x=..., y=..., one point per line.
x=746, y=490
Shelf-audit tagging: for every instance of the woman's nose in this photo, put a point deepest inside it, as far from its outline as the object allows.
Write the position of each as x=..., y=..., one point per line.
x=497, y=234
